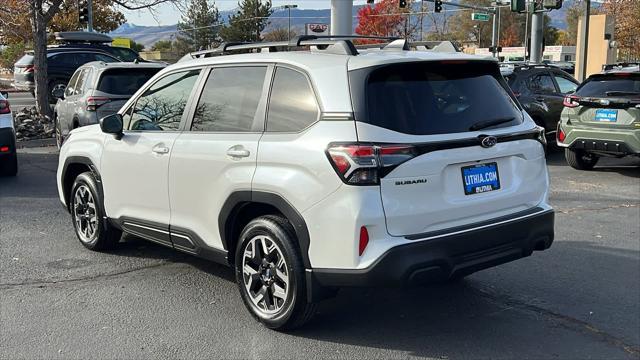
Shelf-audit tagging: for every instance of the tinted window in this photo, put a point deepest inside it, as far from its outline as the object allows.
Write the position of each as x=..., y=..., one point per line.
x=434, y=98
x=162, y=105
x=102, y=57
x=124, y=81
x=611, y=85
x=292, y=106
x=62, y=60
x=123, y=54
x=229, y=100
x=566, y=86
x=541, y=83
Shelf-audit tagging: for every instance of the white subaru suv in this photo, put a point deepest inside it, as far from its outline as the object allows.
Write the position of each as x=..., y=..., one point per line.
x=317, y=169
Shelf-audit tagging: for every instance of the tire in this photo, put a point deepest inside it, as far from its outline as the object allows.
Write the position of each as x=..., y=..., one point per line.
x=9, y=167
x=54, y=87
x=87, y=214
x=580, y=159
x=279, y=270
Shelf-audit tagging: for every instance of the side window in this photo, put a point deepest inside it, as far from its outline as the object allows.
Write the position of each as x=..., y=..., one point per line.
x=65, y=59
x=566, y=86
x=229, y=100
x=72, y=84
x=103, y=58
x=82, y=80
x=162, y=105
x=541, y=83
x=292, y=105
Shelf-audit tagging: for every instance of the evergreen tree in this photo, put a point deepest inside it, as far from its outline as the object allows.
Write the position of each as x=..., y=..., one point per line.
x=247, y=24
x=200, y=25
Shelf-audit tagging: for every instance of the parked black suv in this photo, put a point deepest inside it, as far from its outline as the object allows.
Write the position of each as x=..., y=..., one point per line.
x=63, y=60
x=541, y=90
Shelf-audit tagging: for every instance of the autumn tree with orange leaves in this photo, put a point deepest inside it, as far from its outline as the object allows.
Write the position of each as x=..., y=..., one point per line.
x=626, y=14
x=385, y=18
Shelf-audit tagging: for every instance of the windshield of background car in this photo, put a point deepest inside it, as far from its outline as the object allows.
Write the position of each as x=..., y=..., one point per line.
x=124, y=54
x=616, y=85
x=124, y=81
x=426, y=98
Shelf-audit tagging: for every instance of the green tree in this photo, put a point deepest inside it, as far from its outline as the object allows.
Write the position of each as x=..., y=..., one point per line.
x=200, y=25
x=10, y=54
x=161, y=45
x=248, y=22
x=137, y=47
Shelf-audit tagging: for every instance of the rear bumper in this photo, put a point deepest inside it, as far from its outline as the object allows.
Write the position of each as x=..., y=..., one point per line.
x=614, y=141
x=7, y=138
x=24, y=85
x=438, y=259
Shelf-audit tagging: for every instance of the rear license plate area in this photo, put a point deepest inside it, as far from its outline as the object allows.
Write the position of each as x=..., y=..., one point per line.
x=606, y=115
x=480, y=178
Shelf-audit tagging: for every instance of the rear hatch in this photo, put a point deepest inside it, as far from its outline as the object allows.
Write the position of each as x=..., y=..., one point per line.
x=453, y=143
x=117, y=85
x=607, y=101
x=23, y=69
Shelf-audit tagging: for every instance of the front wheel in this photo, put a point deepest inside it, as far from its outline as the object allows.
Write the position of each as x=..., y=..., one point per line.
x=270, y=274
x=87, y=215
x=580, y=159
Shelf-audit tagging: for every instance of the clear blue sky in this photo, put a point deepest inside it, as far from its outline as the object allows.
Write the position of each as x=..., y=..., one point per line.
x=168, y=15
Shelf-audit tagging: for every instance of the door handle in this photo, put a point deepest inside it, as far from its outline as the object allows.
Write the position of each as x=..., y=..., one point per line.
x=160, y=149
x=238, y=151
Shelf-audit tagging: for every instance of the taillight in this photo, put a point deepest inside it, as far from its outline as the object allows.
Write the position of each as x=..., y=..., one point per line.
x=4, y=149
x=4, y=107
x=560, y=135
x=29, y=68
x=365, y=164
x=570, y=101
x=94, y=102
x=364, y=240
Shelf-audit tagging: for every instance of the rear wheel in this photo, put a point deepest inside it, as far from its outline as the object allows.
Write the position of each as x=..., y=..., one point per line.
x=270, y=274
x=56, y=90
x=87, y=215
x=580, y=159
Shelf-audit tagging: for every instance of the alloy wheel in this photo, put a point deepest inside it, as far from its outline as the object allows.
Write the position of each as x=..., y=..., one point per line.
x=265, y=274
x=85, y=215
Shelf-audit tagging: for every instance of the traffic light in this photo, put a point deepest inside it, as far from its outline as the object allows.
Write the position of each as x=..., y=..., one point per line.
x=552, y=4
x=437, y=6
x=403, y=4
x=370, y=1
x=83, y=12
x=518, y=5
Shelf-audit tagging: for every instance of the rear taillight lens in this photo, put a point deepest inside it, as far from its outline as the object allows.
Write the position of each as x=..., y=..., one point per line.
x=365, y=164
x=570, y=101
x=29, y=69
x=560, y=135
x=94, y=102
x=4, y=107
x=4, y=149
x=364, y=240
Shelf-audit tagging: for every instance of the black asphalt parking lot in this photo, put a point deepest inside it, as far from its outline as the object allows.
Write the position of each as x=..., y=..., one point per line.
x=579, y=299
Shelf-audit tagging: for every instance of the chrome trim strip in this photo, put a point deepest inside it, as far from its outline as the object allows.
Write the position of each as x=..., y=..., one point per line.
x=145, y=227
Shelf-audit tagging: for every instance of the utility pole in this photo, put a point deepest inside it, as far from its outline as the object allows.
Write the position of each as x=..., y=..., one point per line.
x=289, y=7
x=536, y=36
x=341, y=17
x=585, y=42
x=90, y=13
x=494, y=33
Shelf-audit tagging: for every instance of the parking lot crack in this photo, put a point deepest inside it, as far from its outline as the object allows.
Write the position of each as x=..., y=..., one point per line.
x=569, y=322
x=580, y=209
x=42, y=284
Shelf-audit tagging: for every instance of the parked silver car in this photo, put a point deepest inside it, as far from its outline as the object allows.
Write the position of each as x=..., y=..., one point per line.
x=98, y=89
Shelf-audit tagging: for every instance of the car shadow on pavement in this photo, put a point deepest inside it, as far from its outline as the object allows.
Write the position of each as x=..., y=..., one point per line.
x=503, y=312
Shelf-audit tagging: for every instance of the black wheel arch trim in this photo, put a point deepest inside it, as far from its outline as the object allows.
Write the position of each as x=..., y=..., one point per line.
x=239, y=199
x=84, y=161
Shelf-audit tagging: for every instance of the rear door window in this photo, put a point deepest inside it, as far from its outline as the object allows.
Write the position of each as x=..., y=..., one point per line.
x=124, y=81
x=426, y=98
x=71, y=85
x=541, y=83
x=82, y=81
x=565, y=84
x=229, y=100
x=292, y=106
x=613, y=85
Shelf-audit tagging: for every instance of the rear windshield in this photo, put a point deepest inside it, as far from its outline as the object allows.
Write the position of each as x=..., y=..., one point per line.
x=428, y=98
x=27, y=59
x=124, y=81
x=611, y=85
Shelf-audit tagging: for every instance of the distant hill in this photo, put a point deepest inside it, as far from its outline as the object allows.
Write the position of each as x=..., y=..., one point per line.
x=148, y=35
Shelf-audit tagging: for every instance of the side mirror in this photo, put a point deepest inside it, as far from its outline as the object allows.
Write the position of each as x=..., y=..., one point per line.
x=112, y=124
x=5, y=94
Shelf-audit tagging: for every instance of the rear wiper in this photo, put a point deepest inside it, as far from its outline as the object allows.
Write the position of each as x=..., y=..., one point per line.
x=489, y=123
x=622, y=93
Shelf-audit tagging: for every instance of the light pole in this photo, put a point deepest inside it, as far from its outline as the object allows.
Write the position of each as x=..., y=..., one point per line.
x=289, y=7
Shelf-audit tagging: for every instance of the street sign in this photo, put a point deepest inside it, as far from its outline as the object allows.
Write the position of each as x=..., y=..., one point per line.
x=480, y=16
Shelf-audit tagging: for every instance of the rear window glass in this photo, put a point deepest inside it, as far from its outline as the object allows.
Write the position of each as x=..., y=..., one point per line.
x=25, y=60
x=427, y=98
x=124, y=54
x=124, y=81
x=611, y=85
